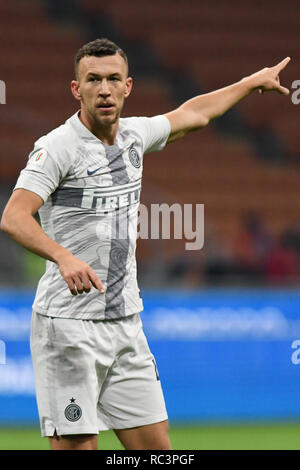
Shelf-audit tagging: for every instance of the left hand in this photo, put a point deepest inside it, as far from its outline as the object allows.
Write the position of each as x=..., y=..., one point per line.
x=267, y=79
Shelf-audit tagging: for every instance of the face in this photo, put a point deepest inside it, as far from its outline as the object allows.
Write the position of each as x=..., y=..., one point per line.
x=102, y=86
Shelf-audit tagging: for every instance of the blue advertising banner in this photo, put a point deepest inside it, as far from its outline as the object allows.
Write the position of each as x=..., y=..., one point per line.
x=222, y=355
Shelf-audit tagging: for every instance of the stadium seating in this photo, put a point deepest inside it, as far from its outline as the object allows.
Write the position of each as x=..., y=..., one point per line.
x=214, y=47
x=217, y=45
x=220, y=45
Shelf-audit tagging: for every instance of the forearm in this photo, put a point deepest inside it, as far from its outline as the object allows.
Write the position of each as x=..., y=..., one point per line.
x=199, y=111
x=25, y=230
x=19, y=223
x=209, y=106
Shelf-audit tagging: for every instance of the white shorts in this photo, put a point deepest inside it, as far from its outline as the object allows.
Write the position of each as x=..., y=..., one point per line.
x=94, y=375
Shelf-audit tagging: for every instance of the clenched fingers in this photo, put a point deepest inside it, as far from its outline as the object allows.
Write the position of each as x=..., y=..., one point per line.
x=83, y=281
x=76, y=284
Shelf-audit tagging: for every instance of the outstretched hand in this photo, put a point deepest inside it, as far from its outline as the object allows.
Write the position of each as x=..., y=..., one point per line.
x=267, y=79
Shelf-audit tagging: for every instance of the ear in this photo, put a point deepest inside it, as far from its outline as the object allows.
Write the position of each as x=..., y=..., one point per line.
x=75, y=90
x=128, y=85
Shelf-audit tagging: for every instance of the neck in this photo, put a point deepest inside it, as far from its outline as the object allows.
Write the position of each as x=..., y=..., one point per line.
x=107, y=134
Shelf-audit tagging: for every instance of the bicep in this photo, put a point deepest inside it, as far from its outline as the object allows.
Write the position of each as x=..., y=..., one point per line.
x=25, y=201
x=178, y=125
x=184, y=120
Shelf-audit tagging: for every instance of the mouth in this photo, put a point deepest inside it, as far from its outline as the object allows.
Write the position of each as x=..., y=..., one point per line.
x=106, y=107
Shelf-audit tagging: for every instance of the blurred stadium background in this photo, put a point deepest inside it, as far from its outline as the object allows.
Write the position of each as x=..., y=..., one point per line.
x=221, y=321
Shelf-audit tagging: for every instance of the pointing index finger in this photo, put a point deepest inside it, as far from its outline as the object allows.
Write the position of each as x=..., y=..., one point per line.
x=283, y=63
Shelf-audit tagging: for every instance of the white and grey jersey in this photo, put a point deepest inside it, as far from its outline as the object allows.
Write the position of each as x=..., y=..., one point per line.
x=91, y=194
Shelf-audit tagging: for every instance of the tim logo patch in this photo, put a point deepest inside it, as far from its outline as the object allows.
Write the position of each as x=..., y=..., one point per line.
x=134, y=158
x=73, y=411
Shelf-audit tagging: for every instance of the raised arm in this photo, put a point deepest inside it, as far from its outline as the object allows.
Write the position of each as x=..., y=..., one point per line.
x=19, y=223
x=199, y=111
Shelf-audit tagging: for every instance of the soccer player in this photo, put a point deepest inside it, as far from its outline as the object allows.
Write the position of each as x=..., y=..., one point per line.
x=92, y=364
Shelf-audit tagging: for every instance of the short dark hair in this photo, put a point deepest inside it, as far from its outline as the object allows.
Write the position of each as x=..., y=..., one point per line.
x=99, y=48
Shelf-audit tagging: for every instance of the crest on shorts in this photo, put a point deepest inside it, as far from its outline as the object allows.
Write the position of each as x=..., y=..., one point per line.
x=73, y=411
x=134, y=157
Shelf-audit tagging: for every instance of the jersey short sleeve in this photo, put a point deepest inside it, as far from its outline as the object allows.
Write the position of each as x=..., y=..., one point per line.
x=154, y=132
x=42, y=174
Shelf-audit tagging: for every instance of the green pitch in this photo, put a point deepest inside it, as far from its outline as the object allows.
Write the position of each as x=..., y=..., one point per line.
x=233, y=437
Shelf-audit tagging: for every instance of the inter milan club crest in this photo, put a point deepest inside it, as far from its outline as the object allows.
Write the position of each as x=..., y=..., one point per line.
x=73, y=411
x=134, y=158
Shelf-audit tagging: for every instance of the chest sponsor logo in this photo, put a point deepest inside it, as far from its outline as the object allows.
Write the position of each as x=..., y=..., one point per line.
x=98, y=201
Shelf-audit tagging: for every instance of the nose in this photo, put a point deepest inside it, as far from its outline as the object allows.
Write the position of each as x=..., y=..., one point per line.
x=104, y=90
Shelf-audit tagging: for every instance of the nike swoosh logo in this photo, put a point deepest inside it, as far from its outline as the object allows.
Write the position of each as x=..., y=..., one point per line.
x=92, y=172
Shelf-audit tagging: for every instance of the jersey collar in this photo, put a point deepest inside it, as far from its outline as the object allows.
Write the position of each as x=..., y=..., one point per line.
x=83, y=132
